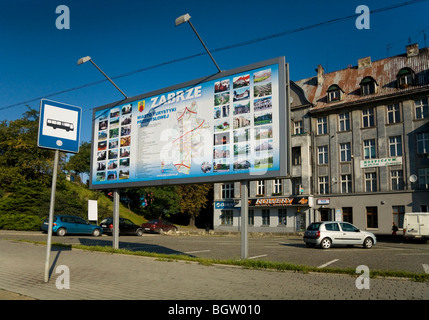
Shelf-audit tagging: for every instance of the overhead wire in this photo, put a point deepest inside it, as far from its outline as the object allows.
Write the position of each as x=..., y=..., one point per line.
x=228, y=47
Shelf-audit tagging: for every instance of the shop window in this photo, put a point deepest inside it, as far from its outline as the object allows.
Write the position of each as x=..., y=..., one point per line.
x=348, y=214
x=398, y=215
x=226, y=218
x=266, y=217
x=282, y=216
x=372, y=217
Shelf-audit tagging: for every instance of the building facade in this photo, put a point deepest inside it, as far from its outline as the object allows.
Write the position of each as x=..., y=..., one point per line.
x=359, y=151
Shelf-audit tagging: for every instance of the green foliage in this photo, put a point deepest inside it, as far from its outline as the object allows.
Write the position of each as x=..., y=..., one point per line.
x=20, y=221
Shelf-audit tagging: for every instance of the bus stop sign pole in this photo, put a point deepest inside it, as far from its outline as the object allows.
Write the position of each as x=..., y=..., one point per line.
x=51, y=215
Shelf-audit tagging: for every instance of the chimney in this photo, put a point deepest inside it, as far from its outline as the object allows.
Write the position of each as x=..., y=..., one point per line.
x=364, y=63
x=320, y=75
x=412, y=50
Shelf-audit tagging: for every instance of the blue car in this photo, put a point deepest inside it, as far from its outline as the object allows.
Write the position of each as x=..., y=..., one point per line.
x=64, y=224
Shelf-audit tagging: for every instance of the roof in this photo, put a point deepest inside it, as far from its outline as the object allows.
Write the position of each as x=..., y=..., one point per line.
x=383, y=71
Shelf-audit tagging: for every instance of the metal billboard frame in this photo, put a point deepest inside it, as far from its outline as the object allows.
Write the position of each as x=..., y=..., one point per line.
x=284, y=131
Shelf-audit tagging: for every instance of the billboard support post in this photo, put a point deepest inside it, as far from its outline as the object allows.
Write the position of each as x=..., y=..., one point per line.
x=244, y=220
x=51, y=215
x=116, y=219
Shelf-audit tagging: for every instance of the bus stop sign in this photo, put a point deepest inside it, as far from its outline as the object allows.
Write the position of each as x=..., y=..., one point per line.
x=59, y=126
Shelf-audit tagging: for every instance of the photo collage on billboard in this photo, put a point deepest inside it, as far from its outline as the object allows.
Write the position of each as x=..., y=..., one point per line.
x=243, y=121
x=113, y=143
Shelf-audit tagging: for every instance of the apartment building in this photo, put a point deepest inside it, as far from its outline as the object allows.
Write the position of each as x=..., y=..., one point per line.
x=359, y=149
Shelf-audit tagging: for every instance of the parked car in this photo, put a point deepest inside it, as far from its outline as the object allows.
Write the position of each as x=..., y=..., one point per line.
x=328, y=233
x=65, y=224
x=126, y=226
x=416, y=225
x=158, y=226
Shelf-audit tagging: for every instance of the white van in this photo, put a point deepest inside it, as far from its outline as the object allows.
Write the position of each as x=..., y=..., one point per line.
x=416, y=225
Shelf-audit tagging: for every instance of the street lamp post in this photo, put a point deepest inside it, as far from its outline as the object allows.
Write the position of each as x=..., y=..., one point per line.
x=115, y=192
x=86, y=59
x=187, y=18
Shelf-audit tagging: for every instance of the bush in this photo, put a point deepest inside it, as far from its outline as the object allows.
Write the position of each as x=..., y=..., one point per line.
x=20, y=221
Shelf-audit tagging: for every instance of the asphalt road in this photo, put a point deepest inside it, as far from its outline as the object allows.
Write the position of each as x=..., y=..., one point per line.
x=398, y=256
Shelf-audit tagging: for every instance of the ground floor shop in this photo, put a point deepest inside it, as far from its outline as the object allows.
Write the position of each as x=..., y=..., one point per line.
x=371, y=212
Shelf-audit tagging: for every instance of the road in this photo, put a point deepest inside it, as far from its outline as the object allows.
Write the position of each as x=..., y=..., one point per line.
x=392, y=256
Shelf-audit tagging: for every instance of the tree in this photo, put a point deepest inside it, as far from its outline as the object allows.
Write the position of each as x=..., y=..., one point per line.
x=20, y=157
x=80, y=162
x=193, y=198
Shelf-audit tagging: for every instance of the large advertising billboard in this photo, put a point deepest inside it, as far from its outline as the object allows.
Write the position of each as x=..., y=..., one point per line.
x=227, y=127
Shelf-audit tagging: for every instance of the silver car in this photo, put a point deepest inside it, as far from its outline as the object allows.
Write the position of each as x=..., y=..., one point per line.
x=328, y=233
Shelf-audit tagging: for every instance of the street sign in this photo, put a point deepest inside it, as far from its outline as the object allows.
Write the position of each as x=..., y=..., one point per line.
x=59, y=126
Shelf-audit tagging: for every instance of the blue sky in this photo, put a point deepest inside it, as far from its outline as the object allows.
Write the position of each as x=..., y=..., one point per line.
x=38, y=60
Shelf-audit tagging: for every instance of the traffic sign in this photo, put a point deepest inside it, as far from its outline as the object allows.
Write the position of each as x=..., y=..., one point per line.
x=59, y=126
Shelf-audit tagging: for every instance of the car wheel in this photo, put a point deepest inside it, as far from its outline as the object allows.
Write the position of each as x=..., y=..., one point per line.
x=326, y=243
x=96, y=233
x=309, y=245
x=368, y=243
x=139, y=232
x=61, y=232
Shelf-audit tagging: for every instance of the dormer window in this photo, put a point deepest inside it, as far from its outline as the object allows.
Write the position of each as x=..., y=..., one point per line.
x=334, y=93
x=368, y=86
x=405, y=78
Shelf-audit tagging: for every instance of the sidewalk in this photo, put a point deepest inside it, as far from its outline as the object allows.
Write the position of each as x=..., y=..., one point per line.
x=104, y=276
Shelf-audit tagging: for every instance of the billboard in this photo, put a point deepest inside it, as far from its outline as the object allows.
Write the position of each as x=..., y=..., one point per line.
x=227, y=127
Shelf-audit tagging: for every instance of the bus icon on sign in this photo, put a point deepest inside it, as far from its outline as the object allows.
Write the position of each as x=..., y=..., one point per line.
x=56, y=124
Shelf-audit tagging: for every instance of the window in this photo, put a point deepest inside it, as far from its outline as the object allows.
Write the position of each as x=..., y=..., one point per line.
x=322, y=153
x=405, y=78
x=322, y=125
x=260, y=188
x=251, y=217
x=266, y=217
x=227, y=191
x=422, y=110
x=348, y=214
x=393, y=113
x=346, y=183
x=323, y=185
x=226, y=217
x=368, y=118
x=298, y=127
x=345, y=152
x=398, y=215
x=369, y=149
x=334, y=93
x=367, y=86
x=348, y=227
x=278, y=186
x=423, y=143
x=423, y=178
x=282, y=214
x=370, y=182
x=371, y=217
x=395, y=146
x=296, y=156
x=332, y=227
x=296, y=185
x=397, y=179
x=344, y=121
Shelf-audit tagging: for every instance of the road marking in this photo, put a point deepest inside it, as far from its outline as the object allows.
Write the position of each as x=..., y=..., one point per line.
x=198, y=251
x=328, y=263
x=426, y=267
x=255, y=257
